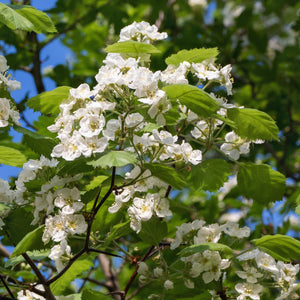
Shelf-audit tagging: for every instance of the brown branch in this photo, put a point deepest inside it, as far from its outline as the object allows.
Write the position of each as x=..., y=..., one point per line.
x=48, y=293
x=7, y=288
x=4, y=252
x=134, y=274
x=66, y=268
x=36, y=68
x=112, y=280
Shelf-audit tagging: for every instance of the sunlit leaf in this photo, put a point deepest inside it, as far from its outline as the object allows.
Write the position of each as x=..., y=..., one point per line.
x=194, y=98
x=253, y=124
x=281, y=247
x=192, y=56
x=11, y=157
x=131, y=47
x=261, y=183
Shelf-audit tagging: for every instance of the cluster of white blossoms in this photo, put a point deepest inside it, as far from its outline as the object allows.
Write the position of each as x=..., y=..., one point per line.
x=8, y=114
x=208, y=263
x=110, y=116
x=148, y=194
x=260, y=265
x=57, y=201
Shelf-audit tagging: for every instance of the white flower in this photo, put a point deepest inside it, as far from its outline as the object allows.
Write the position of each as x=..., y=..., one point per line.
x=27, y=295
x=168, y=285
x=158, y=272
x=201, y=3
x=210, y=234
x=68, y=200
x=233, y=229
x=141, y=32
x=249, y=289
x=266, y=262
x=91, y=125
x=176, y=75
x=82, y=92
x=133, y=120
x=250, y=274
x=235, y=146
x=185, y=229
x=4, y=112
x=3, y=64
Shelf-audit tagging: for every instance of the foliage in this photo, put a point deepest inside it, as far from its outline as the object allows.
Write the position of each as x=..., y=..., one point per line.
x=145, y=182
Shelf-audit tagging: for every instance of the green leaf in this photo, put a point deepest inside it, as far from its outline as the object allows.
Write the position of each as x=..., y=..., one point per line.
x=11, y=157
x=48, y=102
x=131, y=47
x=205, y=246
x=153, y=231
x=119, y=230
x=96, y=182
x=92, y=295
x=167, y=174
x=35, y=255
x=13, y=20
x=25, y=17
x=114, y=159
x=281, y=247
x=31, y=241
x=260, y=182
x=253, y=124
x=76, y=270
x=210, y=175
x=41, y=22
x=194, y=98
x=76, y=166
x=70, y=297
x=38, y=143
x=192, y=56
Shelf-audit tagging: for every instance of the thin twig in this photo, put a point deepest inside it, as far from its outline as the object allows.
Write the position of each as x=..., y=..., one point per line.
x=134, y=274
x=7, y=288
x=65, y=269
x=48, y=293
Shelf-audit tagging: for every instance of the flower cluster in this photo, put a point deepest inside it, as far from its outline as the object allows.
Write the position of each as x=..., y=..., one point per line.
x=208, y=263
x=8, y=114
x=257, y=265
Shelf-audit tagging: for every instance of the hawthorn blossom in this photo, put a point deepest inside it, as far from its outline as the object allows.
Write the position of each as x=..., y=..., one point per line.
x=141, y=32
x=251, y=290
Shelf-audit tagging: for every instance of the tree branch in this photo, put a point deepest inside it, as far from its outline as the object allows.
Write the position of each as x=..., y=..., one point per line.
x=112, y=280
x=48, y=293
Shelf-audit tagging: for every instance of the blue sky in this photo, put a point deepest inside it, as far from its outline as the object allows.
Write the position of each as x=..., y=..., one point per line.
x=53, y=54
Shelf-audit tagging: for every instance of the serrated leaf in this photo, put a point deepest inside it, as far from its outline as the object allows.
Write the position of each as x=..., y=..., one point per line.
x=261, y=183
x=75, y=271
x=192, y=56
x=76, y=166
x=11, y=157
x=119, y=230
x=167, y=174
x=13, y=20
x=194, y=98
x=205, y=246
x=92, y=295
x=131, y=47
x=48, y=102
x=35, y=255
x=153, y=231
x=114, y=159
x=31, y=241
x=210, y=175
x=96, y=182
x=253, y=124
x=40, y=20
x=25, y=17
x=281, y=247
x=38, y=143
